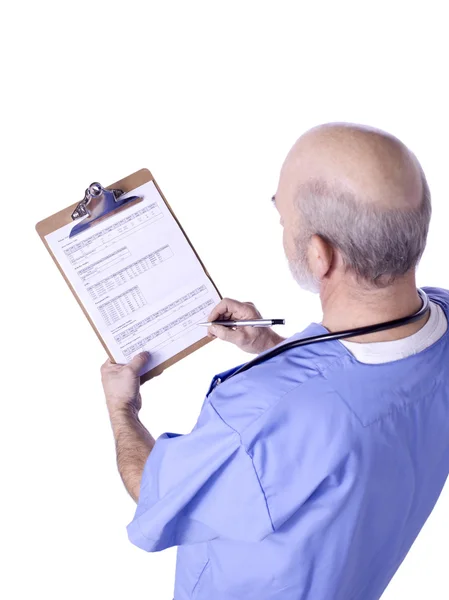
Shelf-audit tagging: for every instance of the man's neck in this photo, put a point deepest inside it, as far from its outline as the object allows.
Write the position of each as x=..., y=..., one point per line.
x=347, y=306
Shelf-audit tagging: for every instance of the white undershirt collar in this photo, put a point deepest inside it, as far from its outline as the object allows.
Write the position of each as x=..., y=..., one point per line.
x=382, y=352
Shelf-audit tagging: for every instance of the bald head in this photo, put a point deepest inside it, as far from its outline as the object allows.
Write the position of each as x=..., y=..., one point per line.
x=363, y=192
x=372, y=165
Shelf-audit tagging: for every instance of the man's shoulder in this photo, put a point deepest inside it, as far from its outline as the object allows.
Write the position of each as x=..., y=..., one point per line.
x=299, y=383
x=293, y=384
x=439, y=295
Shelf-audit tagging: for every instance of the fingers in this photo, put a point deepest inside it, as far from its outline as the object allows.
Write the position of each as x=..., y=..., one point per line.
x=136, y=364
x=139, y=361
x=222, y=308
x=233, y=309
x=107, y=366
x=227, y=334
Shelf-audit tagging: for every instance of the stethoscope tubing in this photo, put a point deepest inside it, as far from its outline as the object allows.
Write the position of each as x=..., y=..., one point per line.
x=338, y=335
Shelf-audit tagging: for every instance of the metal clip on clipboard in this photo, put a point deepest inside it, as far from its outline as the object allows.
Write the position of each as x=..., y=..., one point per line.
x=101, y=202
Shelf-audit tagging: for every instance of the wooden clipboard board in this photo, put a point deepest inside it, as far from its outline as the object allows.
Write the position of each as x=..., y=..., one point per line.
x=64, y=217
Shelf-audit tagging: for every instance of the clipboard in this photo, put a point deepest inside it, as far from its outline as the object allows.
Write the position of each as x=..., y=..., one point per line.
x=99, y=211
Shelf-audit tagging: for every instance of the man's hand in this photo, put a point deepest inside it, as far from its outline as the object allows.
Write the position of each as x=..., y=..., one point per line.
x=133, y=442
x=121, y=384
x=249, y=339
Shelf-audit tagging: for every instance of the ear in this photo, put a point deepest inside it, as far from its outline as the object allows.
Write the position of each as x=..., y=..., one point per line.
x=320, y=256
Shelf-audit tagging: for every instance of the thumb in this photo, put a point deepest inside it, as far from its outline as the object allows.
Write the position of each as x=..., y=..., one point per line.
x=139, y=361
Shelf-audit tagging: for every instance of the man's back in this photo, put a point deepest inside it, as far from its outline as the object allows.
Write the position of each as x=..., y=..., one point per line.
x=350, y=460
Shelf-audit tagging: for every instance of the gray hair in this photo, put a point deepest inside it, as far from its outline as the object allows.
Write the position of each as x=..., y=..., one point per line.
x=378, y=245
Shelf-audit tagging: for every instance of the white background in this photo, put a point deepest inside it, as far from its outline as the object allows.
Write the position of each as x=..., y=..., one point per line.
x=210, y=96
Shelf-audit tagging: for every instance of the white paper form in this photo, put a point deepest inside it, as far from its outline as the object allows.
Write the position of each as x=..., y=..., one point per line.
x=139, y=279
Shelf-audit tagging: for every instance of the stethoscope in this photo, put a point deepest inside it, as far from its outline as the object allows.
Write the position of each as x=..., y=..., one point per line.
x=338, y=335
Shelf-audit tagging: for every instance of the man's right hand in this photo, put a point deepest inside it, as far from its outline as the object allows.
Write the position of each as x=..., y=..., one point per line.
x=250, y=339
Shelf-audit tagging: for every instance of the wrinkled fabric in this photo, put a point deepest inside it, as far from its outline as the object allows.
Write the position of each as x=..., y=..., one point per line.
x=307, y=477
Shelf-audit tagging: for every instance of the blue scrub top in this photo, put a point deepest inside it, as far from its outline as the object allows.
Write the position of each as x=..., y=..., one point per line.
x=306, y=477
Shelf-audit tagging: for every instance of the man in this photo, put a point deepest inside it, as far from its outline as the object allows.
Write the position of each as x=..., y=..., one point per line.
x=310, y=475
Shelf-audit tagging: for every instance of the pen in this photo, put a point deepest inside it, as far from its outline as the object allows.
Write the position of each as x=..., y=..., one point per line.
x=250, y=323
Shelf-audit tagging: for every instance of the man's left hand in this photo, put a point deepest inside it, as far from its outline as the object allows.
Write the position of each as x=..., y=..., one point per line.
x=121, y=384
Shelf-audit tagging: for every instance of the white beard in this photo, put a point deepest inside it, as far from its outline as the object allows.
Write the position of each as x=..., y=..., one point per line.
x=299, y=268
x=304, y=278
